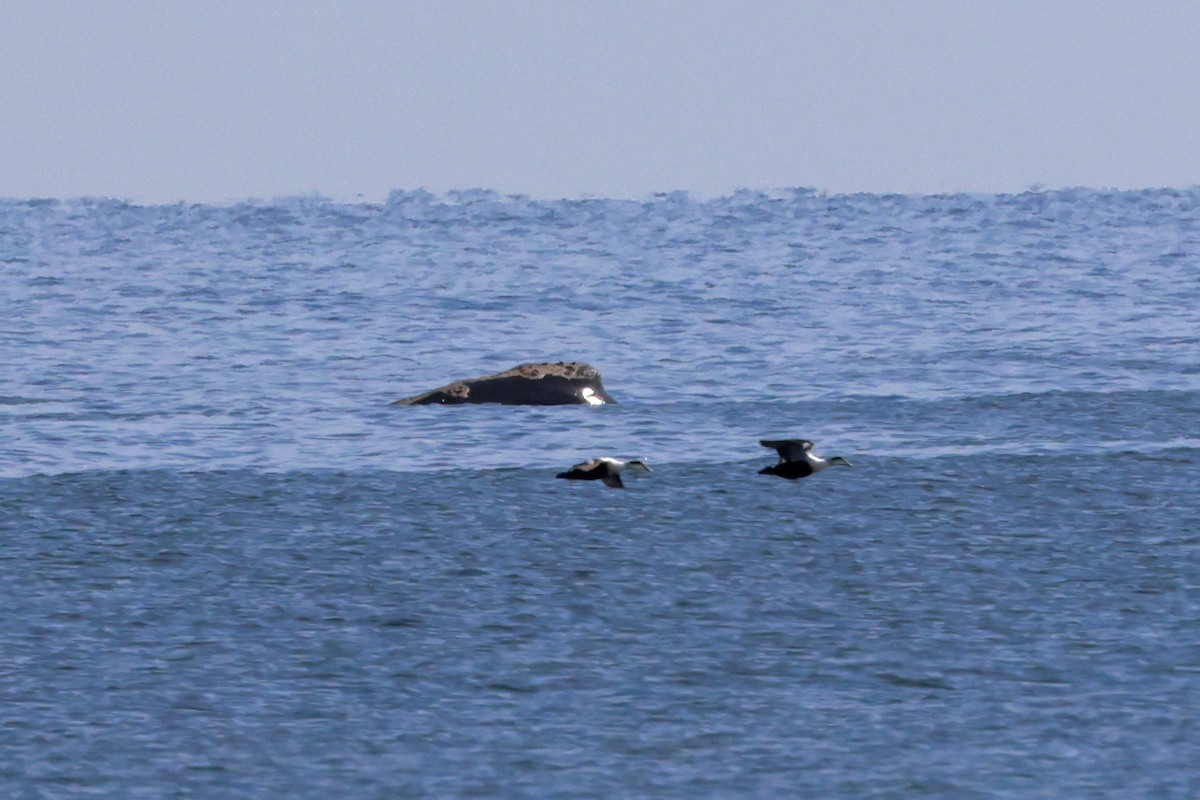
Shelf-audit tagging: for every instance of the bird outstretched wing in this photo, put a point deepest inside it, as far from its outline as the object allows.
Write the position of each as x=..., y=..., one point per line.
x=789, y=449
x=613, y=481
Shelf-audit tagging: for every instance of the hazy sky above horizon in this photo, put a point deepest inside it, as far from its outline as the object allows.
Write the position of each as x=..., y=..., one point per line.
x=218, y=101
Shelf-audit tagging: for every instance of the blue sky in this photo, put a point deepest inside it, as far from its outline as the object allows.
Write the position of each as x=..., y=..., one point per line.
x=220, y=101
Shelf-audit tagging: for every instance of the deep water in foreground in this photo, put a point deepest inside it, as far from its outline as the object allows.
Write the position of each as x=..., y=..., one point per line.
x=229, y=568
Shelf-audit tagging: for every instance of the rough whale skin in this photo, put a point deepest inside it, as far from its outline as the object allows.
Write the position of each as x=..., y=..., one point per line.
x=559, y=384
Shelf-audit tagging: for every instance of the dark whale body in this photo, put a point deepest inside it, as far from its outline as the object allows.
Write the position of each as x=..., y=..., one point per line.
x=564, y=383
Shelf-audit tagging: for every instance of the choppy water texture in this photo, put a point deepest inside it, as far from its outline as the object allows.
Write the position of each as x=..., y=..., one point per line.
x=229, y=568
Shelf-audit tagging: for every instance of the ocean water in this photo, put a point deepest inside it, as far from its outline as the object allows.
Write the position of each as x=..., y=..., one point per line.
x=228, y=568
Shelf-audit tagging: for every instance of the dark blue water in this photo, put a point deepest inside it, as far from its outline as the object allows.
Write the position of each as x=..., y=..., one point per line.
x=229, y=568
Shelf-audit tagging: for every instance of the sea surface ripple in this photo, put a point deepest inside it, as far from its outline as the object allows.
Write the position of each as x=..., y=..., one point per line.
x=231, y=568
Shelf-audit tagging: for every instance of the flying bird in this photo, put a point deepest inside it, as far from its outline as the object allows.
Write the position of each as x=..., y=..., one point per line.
x=607, y=470
x=796, y=459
